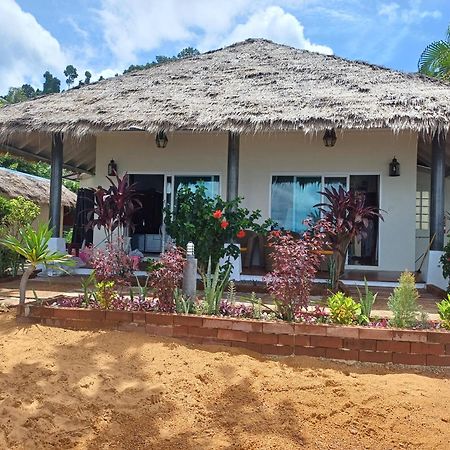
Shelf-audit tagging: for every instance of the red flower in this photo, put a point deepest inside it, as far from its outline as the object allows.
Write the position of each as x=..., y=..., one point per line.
x=276, y=233
x=217, y=214
x=224, y=224
x=240, y=234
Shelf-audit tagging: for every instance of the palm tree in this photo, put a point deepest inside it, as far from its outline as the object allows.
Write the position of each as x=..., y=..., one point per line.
x=435, y=59
x=33, y=246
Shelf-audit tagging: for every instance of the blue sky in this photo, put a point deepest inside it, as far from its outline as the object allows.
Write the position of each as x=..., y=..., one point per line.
x=106, y=36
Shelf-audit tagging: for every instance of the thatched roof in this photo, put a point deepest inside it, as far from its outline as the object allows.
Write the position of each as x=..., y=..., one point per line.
x=251, y=86
x=37, y=189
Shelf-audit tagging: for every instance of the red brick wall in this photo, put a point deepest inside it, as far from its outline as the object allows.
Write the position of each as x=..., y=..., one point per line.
x=415, y=347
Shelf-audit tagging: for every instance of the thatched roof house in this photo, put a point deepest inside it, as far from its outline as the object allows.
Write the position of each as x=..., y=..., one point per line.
x=254, y=120
x=37, y=189
x=251, y=86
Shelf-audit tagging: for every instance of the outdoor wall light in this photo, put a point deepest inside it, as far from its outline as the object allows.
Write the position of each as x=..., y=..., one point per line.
x=329, y=138
x=112, y=168
x=394, y=168
x=161, y=139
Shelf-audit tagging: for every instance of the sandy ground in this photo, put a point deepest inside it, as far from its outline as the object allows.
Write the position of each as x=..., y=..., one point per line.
x=65, y=389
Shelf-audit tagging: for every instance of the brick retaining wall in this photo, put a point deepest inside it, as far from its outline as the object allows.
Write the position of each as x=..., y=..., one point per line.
x=414, y=347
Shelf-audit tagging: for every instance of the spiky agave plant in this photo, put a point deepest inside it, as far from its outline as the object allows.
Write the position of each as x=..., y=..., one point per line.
x=33, y=246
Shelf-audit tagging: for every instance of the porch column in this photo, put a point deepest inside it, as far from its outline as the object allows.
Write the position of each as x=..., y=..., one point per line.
x=233, y=166
x=437, y=201
x=56, y=184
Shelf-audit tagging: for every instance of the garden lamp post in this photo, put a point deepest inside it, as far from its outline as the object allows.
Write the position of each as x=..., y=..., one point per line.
x=190, y=272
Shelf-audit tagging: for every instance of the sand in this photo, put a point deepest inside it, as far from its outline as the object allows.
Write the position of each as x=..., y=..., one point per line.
x=66, y=389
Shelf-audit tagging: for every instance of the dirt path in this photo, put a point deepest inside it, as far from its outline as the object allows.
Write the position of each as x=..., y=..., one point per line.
x=110, y=390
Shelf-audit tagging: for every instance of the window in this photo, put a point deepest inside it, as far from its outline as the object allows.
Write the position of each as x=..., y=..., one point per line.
x=422, y=210
x=293, y=199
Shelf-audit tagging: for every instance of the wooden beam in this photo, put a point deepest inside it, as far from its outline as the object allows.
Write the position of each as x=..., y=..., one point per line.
x=27, y=153
x=233, y=166
x=56, y=184
x=437, y=198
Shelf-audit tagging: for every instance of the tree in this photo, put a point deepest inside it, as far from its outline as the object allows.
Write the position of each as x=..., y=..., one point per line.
x=71, y=73
x=187, y=52
x=33, y=246
x=28, y=91
x=51, y=84
x=88, y=77
x=435, y=59
x=15, y=95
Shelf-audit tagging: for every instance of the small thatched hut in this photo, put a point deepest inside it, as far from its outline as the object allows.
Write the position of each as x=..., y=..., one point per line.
x=37, y=189
x=264, y=121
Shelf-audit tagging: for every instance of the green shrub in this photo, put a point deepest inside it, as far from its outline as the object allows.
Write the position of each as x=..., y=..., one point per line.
x=214, y=285
x=366, y=302
x=343, y=309
x=444, y=311
x=403, y=302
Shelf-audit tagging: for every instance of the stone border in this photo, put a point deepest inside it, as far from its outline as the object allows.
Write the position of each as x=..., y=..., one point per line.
x=381, y=345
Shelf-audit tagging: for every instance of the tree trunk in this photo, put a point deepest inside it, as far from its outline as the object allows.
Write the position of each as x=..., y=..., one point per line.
x=340, y=254
x=23, y=283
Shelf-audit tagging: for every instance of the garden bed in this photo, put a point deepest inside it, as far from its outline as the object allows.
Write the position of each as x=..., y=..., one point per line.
x=356, y=343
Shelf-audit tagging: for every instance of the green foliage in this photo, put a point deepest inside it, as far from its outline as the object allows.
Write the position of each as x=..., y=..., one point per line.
x=343, y=310
x=183, y=304
x=71, y=73
x=159, y=59
x=38, y=168
x=51, y=84
x=444, y=312
x=105, y=293
x=366, y=302
x=22, y=213
x=214, y=285
x=209, y=223
x=257, y=306
x=87, y=76
x=231, y=292
x=86, y=284
x=445, y=262
x=435, y=59
x=403, y=302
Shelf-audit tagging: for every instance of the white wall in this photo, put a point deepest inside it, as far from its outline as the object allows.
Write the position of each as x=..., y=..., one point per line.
x=261, y=155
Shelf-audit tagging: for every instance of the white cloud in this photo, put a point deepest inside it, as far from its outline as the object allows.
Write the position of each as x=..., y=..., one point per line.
x=277, y=25
x=138, y=26
x=27, y=49
x=413, y=13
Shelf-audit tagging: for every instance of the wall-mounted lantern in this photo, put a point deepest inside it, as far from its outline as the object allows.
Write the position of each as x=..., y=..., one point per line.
x=161, y=139
x=329, y=137
x=394, y=168
x=112, y=168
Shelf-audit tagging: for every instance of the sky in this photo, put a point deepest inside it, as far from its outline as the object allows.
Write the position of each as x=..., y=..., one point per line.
x=106, y=36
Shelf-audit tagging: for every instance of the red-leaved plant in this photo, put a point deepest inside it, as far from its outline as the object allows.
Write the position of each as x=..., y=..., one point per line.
x=115, y=207
x=295, y=264
x=348, y=218
x=166, y=276
x=112, y=264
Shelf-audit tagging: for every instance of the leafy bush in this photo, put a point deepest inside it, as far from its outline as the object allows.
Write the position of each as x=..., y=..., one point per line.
x=366, y=302
x=32, y=245
x=14, y=214
x=403, y=302
x=213, y=286
x=112, y=264
x=343, y=310
x=167, y=277
x=105, y=293
x=348, y=217
x=210, y=223
x=444, y=311
x=295, y=262
x=445, y=263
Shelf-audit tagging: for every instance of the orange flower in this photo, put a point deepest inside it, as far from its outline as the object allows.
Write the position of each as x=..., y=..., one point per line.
x=240, y=234
x=224, y=224
x=217, y=214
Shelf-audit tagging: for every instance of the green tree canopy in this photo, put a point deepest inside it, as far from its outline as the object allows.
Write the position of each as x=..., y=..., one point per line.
x=435, y=59
x=71, y=73
x=51, y=84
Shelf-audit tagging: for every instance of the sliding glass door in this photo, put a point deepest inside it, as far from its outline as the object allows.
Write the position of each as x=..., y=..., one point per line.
x=293, y=198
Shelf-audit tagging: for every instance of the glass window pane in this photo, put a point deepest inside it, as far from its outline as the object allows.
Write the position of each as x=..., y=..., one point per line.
x=306, y=195
x=210, y=182
x=282, y=202
x=336, y=182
